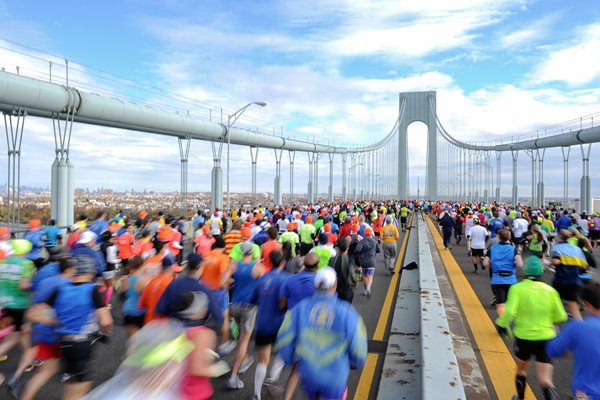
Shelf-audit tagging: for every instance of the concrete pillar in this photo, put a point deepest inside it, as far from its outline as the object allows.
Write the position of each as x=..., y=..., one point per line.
x=565, y=154
x=316, y=178
x=310, y=189
x=63, y=171
x=277, y=195
x=292, y=156
x=498, y=175
x=540, y=187
x=216, y=177
x=586, y=185
x=344, y=177
x=330, y=188
x=254, y=159
x=515, y=189
x=184, y=152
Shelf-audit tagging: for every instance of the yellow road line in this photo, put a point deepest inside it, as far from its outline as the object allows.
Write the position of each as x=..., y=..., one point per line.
x=497, y=358
x=389, y=297
x=366, y=377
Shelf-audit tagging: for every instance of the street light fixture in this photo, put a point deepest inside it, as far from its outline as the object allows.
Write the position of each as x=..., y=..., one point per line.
x=231, y=119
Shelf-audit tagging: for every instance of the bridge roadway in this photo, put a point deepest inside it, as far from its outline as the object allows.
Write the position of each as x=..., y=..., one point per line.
x=377, y=317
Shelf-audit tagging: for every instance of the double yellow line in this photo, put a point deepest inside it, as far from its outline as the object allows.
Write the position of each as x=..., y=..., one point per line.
x=368, y=373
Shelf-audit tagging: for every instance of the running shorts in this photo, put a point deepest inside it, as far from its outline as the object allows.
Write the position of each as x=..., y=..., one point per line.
x=76, y=356
x=525, y=349
x=594, y=235
x=368, y=271
x=48, y=351
x=324, y=393
x=245, y=315
x=477, y=252
x=222, y=298
x=403, y=220
x=568, y=292
x=501, y=292
x=265, y=339
x=305, y=248
x=135, y=320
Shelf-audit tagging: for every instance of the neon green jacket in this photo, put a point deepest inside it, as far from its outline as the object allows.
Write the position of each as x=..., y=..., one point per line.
x=535, y=307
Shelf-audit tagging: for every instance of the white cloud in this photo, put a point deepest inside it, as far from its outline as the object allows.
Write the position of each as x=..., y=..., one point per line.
x=522, y=38
x=575, y=64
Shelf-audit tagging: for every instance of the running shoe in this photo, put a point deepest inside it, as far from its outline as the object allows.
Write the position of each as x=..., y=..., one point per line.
x=235, y=383
x=226, y=347
x=4, y=357
x=34, y=364
x=246, y=364
x=476, y=272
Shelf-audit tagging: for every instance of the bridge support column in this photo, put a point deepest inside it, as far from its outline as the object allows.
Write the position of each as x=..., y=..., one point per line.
x=316, y=178
x=277, y=195
x=540, y=188
x=254, y=159
x=515, y=189
x=216, y=177
x=344, y=158
x=330, y=189
x=566, y=153
x=62, y=185
x=498, y=175
x=586, y=186
x=533, y=155
x=311, y=166
x=292, y=156
x=487, y=180
x=353, y=173
x=184, y=152
x=14, y=125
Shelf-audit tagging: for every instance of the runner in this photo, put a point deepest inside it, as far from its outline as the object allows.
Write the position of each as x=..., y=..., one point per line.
x=403, y=217
x=477, y=237
x=324, y=250
x=245, y=274
x=80, y=313
x=153, y=289
x=567, y=260
x=133, y=314
x=447, y=224
x=365, y=253
x=34, y=236
x=534, y=307
x=311, y=329
x=15, y=280
x=580, y=337
x=503, y=259
x=344, y=271
x=307, y=236
x=268, y=320
x=390, y=238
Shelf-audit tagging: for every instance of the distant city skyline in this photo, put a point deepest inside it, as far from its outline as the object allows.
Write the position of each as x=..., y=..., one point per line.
x=331, y=70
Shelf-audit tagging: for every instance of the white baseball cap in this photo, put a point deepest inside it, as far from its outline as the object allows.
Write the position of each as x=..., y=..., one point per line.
x=325, y=278
x=87, y=237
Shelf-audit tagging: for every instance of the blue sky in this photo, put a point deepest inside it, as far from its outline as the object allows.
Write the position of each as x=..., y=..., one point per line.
x=330, y=69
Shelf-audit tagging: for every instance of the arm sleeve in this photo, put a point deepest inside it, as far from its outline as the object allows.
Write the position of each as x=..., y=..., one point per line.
x=286, y=338
x=560, y=344
x=358, y=341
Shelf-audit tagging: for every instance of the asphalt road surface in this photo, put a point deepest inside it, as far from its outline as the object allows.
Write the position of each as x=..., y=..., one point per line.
x=107, y=357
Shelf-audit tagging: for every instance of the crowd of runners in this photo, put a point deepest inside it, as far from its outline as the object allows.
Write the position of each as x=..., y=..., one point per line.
x=191, y=291
x=545, y=320
x=275, y=286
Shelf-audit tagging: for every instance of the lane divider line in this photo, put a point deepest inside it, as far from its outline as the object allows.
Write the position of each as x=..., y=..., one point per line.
x=498, y=360
x=368, y=373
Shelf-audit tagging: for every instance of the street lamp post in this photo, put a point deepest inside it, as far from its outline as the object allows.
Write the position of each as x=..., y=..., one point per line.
x=231, y=119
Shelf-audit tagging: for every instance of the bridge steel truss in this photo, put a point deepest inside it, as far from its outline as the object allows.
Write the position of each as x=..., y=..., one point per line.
x=377, y=171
